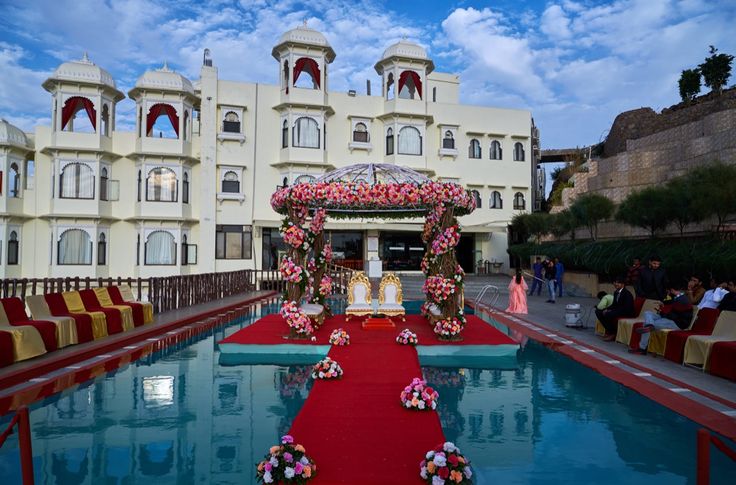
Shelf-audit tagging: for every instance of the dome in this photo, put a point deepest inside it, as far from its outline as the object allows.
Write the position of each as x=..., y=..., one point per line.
x=404, y=48
x=164, y=79
x=304, y=35
x=12, y=135
x=374, y=173
x=83, y=71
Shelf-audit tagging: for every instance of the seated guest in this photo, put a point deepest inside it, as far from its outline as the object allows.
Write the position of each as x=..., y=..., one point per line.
x=675, y=313
x=712, y=298
x=729, y=299
x=622, y=307
x=695, y=290
x=604, y=300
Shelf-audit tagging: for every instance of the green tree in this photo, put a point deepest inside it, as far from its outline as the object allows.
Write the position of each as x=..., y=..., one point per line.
x=590, y=209
x=562, y=223
x=715, y=191
x=647, y=209
x=682, y=202
x=716, y=70
x=689, y=84
x=535, y=224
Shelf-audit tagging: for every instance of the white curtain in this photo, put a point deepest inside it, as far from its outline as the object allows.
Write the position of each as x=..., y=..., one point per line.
x=306, y=133
x=410, y=141
x=69, y=181
x=161, y=185
x=160, y=248
x=86, y=182
x=75, y=247
x=77, y=182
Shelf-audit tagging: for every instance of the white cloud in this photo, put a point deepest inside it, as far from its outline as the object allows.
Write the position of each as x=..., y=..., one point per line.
x=555, y=23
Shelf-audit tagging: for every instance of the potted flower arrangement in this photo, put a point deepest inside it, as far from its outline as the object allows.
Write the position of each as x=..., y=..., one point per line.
x=418, y=396
x=326, y=369
x=339, y=337
x=446, y=465
x=299, y=324
x=450, y=328
x=407, y=337
x=286, y=463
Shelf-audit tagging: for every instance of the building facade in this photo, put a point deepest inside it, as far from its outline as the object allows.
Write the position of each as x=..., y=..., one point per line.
x=188, y=191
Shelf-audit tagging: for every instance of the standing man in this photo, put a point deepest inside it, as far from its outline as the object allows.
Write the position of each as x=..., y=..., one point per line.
x=652, y=283
x=550, y=274
x=632, y=274
x=621, y=307
x=560, y=271
x=537, y=280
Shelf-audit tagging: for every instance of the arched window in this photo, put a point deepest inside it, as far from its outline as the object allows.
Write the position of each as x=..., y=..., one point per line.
x=164, y=130
x=231, y=123
x=140, y=121
x=13, y=248
x=185, y=188
x=77, y=182
x=102, y=250
x=306, y=65
x=518, y=152
x=304, y=179
x=496, y=200
x=160, y=248
x=138, y=250
x=29, y=174
x=14, y=181
x=448, y=141
x=184, y=252
x=496, y=150
x=161, y=185
x=476, y=196
x=186, y=125
x=390, y=141
x=410, y=141
x=71, y=122
x=410, y=85
x=284, y=135
x=74, y=247
x=360, y=133
x=103, y=184
x=230, y=182
x=140, y=184
x=474, y=149
x=105, y=120
x=305, y=133
x=519, y=202
x=389, y=86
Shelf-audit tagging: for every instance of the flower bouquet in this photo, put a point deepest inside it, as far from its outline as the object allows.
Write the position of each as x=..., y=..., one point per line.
x=445, y=465
x=407, y=337
x=439, y=288
x=449, y=328
x=298, y=321
x=326, y=369
x=419, y=396
x=287, y=463
x=339, y=337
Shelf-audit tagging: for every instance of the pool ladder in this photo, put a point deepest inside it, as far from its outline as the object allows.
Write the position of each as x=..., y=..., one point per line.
x=494, y=293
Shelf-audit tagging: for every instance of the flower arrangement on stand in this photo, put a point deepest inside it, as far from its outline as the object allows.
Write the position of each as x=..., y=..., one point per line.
x=286, y=463
x=450, y=328
x=446, y=465
x=439, y=288
x=298, y=321
x=294, y=235
x=407, y=337
x=418, y=396
x=292, y=272
x=339, y=337
x=446, y=241
x=327, y=369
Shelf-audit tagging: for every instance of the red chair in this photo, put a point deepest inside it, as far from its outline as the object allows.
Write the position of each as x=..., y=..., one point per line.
x=723, y=360
x=117, y=299
x=676, y=339
x=15, y=310
x=83, y=322
x=7, y=356
x=112, y=315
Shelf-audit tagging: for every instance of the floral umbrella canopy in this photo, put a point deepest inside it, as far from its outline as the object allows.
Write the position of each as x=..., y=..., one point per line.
x=380, y=191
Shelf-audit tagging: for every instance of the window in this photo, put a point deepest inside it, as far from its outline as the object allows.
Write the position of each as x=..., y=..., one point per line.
x=474, y=149
x=184, y=259
x=519, y=202
x=360, y=133
x=138, y=250
x=285, y=135
x=82, y=124
x=161, y=185
x=13, y=248
x=105, y=120
x=186, y=125
x=518, y=152
x=103, y=184
x=140, y=184
x=448, y=141
x=160, y=248
x=74, y=247
x=311, y=68
x=231, y=123
x=233, y=242
x=410, y=141
x=434, y=95
x=306, y=133
x=77, y=182
x=496, y=150
x=14, y=181
x=165, y=130
x=185, y=188
x=496, y=200
x=102, y=250
x=230, y=182
x=410, y=85
x=390, y=141
x=30, y=173
x=476, y=196
x=286, y=75
x=304, y=179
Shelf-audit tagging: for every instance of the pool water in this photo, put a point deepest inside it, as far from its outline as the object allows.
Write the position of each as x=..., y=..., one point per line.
x=178, y=417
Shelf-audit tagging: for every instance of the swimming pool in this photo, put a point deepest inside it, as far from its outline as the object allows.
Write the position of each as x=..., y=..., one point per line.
x=179, y=417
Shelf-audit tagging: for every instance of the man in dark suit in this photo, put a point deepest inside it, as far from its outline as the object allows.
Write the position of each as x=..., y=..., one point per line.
x=652, y=283
x=622, y=307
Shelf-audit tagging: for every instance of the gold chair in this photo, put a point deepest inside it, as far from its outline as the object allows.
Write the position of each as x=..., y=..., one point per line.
x=390, y=297
x=359, y=296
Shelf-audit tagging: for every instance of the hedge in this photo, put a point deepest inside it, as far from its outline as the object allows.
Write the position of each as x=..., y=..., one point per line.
x=680, y=257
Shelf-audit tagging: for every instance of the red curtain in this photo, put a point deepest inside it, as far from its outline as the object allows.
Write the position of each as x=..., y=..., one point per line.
x=74, y=104
x=304, y=62
x=156, y=111
x=414, y=77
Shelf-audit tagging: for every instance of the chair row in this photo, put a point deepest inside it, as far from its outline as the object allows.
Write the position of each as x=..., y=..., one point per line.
x=62, y=319
x=390, y=296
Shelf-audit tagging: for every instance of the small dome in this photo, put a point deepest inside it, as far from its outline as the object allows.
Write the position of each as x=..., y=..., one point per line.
x=83, y=70
x=404, y=48
x=164, y=79
x=12, y=135
x=375, y=173
x=305, y=36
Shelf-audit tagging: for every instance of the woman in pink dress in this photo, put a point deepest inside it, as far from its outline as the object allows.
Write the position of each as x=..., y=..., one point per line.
x=517, y=294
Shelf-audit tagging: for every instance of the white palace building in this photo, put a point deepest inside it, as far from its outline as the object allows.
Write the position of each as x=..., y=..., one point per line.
x=188, y=191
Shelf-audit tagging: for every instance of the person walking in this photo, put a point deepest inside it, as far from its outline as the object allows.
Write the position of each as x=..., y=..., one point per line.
x=537, y=280
x=517, y=294
x=559, y=273
x=550, y=275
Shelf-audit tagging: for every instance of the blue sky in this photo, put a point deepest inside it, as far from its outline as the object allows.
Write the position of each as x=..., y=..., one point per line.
x=574, y=64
